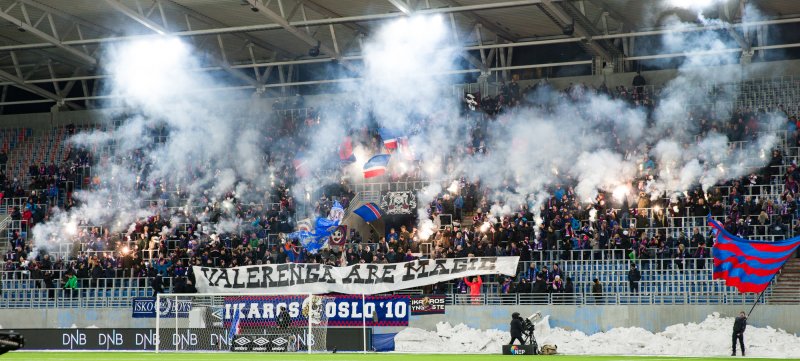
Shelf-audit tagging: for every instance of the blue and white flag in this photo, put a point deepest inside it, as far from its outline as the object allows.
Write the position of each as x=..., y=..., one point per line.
x=369, y=211
x=323, y=228
x=376, y=166
x=234, y=330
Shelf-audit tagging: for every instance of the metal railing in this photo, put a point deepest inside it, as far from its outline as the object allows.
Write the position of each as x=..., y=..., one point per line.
x=688, y=298
x=80, y=298
x=398, y=186
x=8, y=204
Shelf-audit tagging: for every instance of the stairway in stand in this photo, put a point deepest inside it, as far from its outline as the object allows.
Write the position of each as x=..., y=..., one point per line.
x=787, y=288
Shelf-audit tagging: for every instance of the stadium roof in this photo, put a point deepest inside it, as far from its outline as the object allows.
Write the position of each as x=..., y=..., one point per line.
x=53, y=49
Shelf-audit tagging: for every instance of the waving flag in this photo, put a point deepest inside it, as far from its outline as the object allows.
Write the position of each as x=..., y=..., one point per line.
x=323, y=228
x=369, y=212
x=390, y=138
x=234, y=330
x=300, y=165
x=376, y=166
x=748, y=265
x=346, y=151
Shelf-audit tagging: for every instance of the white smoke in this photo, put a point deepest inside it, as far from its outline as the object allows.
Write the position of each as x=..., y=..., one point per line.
x=169, y=140
x=584, y=138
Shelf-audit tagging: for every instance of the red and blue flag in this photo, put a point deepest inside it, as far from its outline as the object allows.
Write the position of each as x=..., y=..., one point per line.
x=390, y=138
x=748, y=265
x=376, y=165
x=300, y=165
x=369, y=212
x=346, y=151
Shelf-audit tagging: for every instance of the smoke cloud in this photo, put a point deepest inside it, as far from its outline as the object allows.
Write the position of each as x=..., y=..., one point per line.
x=198, y=148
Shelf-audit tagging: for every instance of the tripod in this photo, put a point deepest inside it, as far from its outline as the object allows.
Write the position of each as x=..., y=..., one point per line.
x=528, y=336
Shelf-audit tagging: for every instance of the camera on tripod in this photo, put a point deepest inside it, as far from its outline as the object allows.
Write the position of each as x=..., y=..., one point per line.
x=528, y=327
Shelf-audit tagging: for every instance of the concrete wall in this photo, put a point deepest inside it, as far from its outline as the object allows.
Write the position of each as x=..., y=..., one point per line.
x=593, y=319
x=67, y=318
x=588, y=319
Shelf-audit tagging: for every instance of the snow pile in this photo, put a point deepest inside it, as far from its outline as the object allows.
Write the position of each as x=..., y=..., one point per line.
x=450, y=339
x=712, y=337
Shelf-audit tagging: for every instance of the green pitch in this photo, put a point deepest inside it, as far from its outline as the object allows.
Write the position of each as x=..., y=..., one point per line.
x=137, y=356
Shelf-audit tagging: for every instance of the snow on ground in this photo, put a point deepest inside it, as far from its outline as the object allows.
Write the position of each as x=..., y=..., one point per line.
x=712, y=337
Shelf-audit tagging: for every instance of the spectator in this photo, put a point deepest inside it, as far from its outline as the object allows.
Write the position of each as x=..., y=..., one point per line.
x=634, y=276
x=474, y=289
x=597, y=291
x=157, y=284
x=680, y=257
x=638, y=80
x=540, y=286
x=458, y=206
x=569, y=291
x=70, y=284
x=557, y=286
x=506, y=287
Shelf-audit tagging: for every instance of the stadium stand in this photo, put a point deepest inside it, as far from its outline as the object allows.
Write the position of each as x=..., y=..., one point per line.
x=661, y=236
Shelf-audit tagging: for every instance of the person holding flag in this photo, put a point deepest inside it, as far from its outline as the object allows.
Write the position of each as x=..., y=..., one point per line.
x=738, y=332
x=748, y=265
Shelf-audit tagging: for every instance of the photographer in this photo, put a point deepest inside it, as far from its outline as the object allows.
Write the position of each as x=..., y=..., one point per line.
x=516, y=329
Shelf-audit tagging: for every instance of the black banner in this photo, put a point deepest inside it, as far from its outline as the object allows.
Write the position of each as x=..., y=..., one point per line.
x=519, y=350
x=186, y=339
x=265, y=343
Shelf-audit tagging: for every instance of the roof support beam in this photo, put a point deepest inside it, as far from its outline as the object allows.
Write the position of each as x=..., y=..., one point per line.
x=308, y=39
x=402, y=6
x=77, y=54
x=563, y=19
x=133, y=15
x=301, y=23
x=727, y=18
x=486, y=23
x=463, y=71
x=20, y=83
x=214, y=22
x=616, y=15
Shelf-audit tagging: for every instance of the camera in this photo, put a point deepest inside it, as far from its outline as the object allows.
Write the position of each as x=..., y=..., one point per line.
x=528, y=325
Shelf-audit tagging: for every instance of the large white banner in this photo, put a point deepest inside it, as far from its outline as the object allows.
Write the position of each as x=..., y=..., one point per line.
x=356, y=279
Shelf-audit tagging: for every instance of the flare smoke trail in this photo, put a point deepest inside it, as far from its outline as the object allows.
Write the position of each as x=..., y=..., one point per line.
x=571, y=138
x=172, y=141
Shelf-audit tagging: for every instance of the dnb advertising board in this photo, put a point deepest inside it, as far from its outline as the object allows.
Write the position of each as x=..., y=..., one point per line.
x=187, y=339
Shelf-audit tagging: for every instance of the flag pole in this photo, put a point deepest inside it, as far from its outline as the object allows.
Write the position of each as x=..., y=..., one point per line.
x=376, y=231
x=760, y=295
x=756, y=303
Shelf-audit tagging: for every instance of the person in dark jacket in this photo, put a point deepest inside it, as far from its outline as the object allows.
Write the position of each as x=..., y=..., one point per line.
x=738, y=332
x=516, y=329
x=634, y=276
x=157, y=285
x=597, y=291
x=569, y=291
x=283, y=318
x=540, y=286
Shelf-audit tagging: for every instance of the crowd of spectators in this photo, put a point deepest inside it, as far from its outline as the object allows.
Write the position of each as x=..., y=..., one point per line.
x=633, y=227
